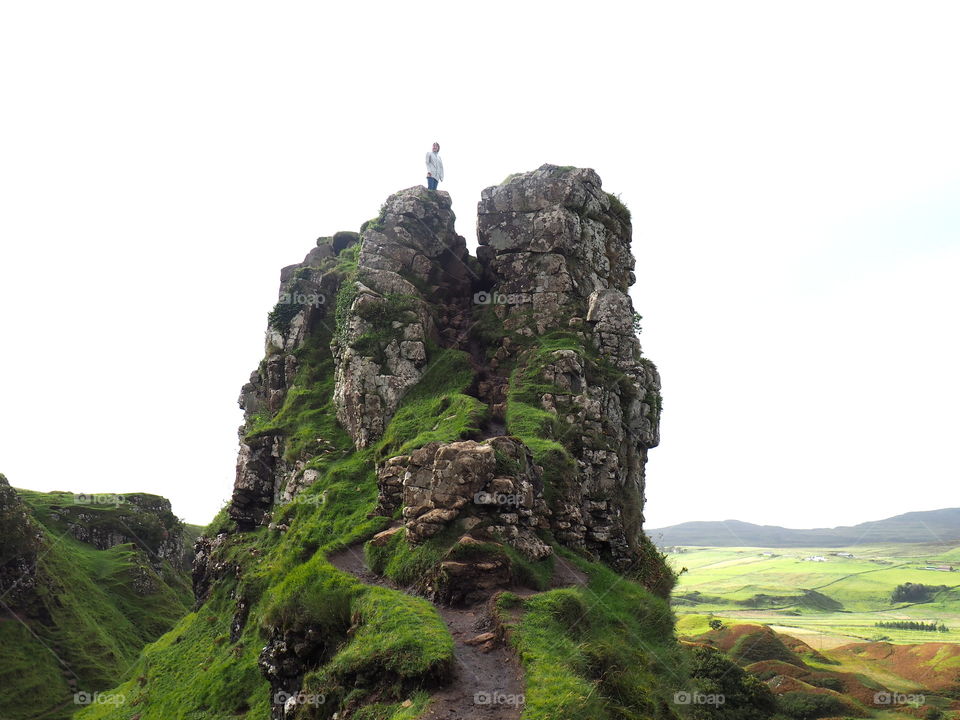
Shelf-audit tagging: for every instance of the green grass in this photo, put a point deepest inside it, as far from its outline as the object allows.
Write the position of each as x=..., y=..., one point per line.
x=145, y=516
x=540, y=430
x=103, y=607
x=196, y=672
x=400, y=640
x=406, y=564
x=410, y=565
x=618, y=207
x=602, y=652
x=841, y=599
x=31, y=674
x=437, y=408
x=307, y=418
x=393, y=643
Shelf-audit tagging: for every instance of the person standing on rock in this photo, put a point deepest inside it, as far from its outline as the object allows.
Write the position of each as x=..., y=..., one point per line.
x=434, y=167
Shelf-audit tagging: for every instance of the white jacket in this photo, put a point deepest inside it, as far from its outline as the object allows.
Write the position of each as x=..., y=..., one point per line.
x=435, y=165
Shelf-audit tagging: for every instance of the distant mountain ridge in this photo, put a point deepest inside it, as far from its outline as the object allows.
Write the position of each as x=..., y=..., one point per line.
x=928, y=526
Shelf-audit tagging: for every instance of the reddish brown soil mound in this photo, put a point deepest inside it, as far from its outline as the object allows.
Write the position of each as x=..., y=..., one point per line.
x=932, y=666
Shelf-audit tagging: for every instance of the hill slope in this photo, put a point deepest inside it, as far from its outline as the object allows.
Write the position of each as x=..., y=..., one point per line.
x=442, y=458
x=930, y=526
x=85, y=583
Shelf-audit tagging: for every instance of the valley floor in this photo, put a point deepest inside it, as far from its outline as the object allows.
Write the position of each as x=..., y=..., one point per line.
x=828, y=596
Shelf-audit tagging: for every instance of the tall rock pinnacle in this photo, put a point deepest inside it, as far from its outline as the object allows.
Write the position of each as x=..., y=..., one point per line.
x=562, y=408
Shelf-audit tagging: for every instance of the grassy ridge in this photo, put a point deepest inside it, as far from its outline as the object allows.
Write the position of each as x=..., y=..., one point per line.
x=382, y=640
x=601, y=652
x=93, y=612
x=383, y=651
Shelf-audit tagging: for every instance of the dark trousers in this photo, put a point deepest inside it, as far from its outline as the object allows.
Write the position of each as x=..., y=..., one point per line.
x=431, y=183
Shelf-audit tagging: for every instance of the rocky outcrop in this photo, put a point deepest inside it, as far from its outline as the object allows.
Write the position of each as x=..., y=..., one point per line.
x=412, y=267
x=209, y=566
x=554, y=259
x=305, y=311
x=549, y=239
x=284, y=661
x=260, y=471
x=556, y=251
x=22, y=541
x=493, y=485
x=107, y=520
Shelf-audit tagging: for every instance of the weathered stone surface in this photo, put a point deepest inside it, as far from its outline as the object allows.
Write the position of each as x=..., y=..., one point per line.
x=390, y=484
x=463, y=583
x=552, y=237
x=141, y=519
x=461, y=481
x=384, y=537
x=554, y=255
x=22, y=541
x=284, y=661
x=381, y=353
x=207, y=568
x=559, y=246
x=305, y=305
x=259, y=466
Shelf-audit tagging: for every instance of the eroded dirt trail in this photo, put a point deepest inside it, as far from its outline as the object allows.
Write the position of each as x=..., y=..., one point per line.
x=488, y=683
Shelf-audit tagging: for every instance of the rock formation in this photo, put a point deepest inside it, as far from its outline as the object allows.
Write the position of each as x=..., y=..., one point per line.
x=137, y=518
x=22, y=541
x=553, y=428
x=75, y=609
x=557, y=249
x=554, y=261
x=382, y=350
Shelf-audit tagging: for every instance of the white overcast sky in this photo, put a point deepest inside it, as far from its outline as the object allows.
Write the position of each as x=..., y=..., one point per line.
x=793, y=169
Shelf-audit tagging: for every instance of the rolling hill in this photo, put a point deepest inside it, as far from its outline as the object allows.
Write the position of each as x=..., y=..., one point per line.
x=931, y=526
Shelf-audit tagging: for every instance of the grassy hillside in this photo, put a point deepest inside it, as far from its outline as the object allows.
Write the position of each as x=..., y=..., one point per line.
x=90, y=614
x=878, y=680
x=375, y=637
x=375, y=653
x=391, y=645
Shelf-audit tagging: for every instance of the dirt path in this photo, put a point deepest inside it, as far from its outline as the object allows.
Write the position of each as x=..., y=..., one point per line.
x=488, y=685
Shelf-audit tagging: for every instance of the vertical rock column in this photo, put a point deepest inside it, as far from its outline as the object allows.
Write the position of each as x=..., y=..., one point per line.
x=412, y=266
x=555, y=249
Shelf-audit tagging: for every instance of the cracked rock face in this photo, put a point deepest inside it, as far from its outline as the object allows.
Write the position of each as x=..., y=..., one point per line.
x=259, y=469
x=22, y=541
x=283, y=662
x=558, y=248
x=411, y=259
x=493, y=483
x=306, y=302
x=306, y=305
x=554, y=257
x=551, y=238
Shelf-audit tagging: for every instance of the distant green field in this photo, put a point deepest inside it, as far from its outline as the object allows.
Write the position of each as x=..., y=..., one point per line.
x=834, y=601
